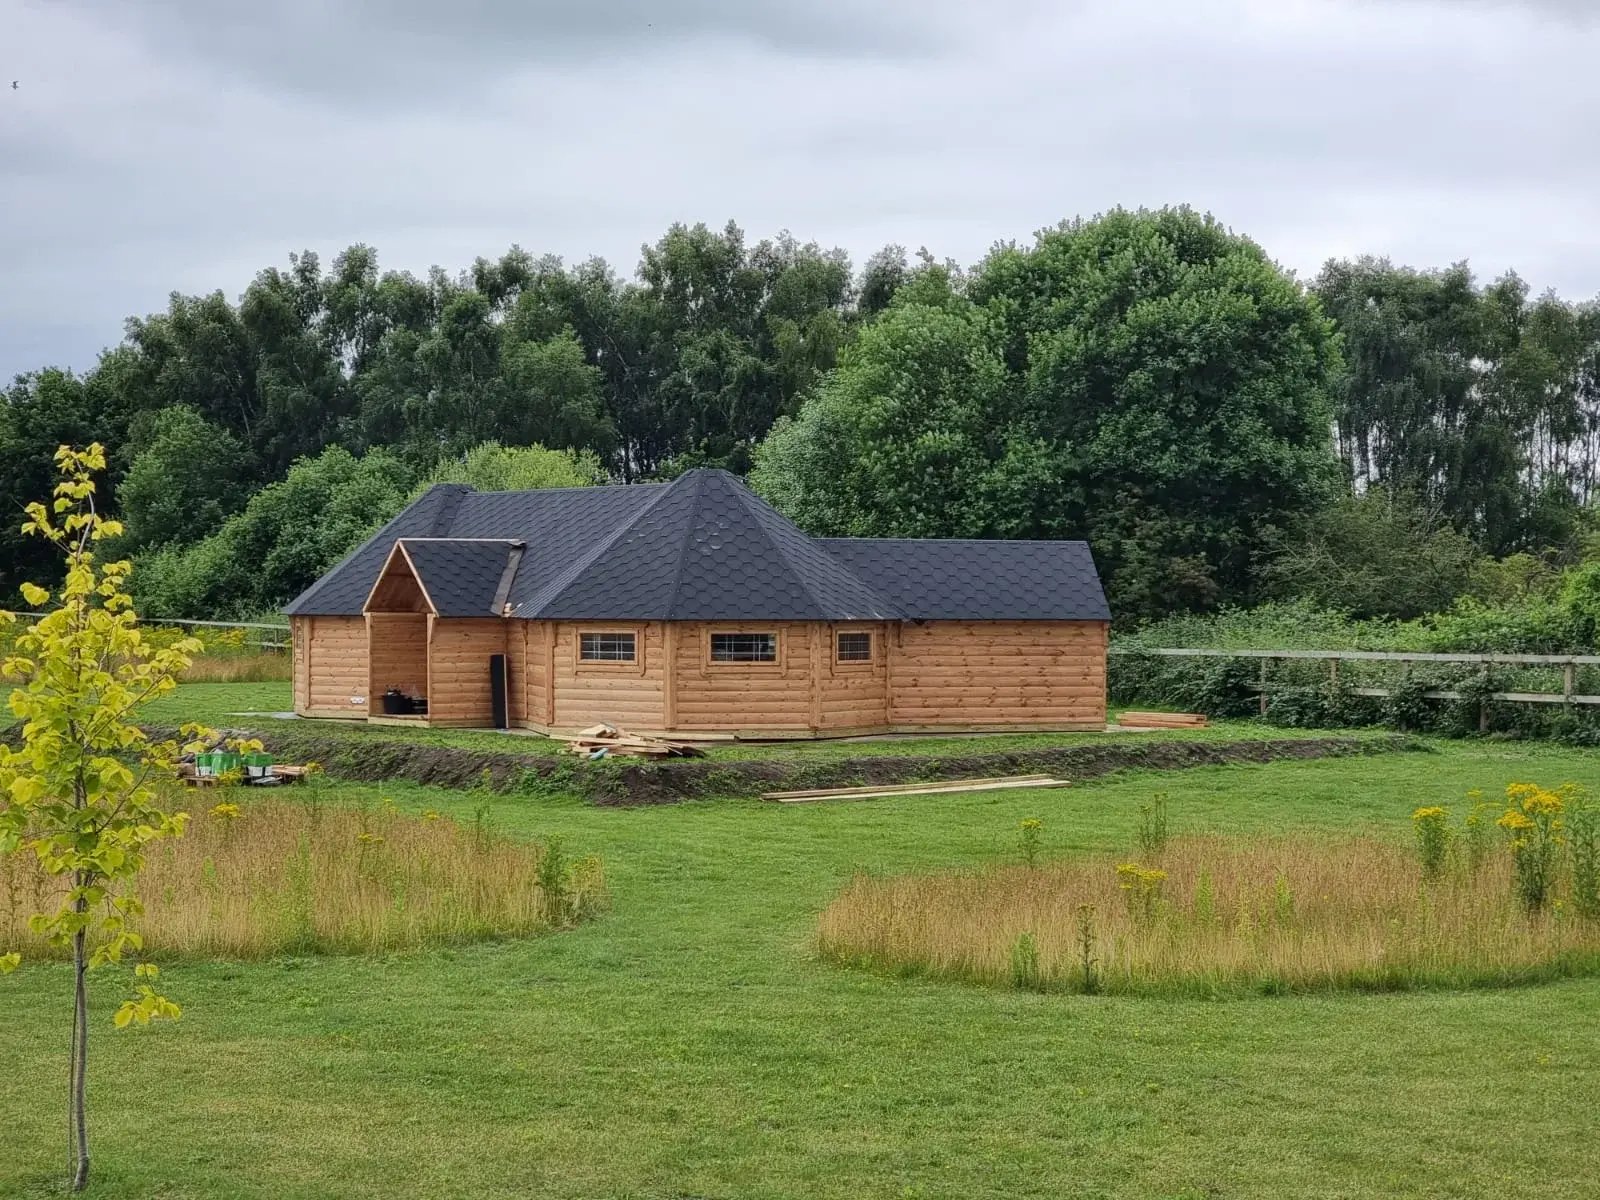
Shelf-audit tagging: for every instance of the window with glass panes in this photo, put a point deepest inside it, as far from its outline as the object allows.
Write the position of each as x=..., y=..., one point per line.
x=744, y=647
x=606, y=647
x=854, y=647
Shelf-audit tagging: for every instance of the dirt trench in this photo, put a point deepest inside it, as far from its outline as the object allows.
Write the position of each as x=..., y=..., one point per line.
x=624, y=782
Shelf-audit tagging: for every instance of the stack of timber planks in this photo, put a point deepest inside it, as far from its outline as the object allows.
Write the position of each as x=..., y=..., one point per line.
x=1161, y=720
x=604, y=741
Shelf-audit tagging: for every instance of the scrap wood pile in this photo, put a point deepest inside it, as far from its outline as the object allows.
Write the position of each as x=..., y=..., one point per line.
x=1161, y=720
x=604, y=741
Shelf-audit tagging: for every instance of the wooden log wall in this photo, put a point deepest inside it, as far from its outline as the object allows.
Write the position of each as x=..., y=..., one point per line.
x=299, y=650
x=745, y=696
x=458, y=668
x=629, y=694
x=335, y=657
x=853, y=695
x=971, y=674
x=942, y=675
x=397, y=648
x=518, y=638
x=397, y=589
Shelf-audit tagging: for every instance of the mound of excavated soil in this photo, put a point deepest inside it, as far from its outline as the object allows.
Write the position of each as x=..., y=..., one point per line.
x=620, y=781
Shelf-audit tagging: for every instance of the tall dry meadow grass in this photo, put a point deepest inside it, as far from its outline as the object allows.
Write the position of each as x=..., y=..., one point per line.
x=239, y=668
x=1213, y=915
x=255, y=876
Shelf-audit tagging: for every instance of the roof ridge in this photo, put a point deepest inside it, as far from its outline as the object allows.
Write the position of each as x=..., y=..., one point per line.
x=449, y=499
x=585, y=487
x=683, y=546
x=759, y=509
x=450, y=503
x=584, y=561
x=745, y=495
x=965, y=541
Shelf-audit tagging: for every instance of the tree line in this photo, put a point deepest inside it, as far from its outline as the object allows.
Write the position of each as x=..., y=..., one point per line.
x=1149, y=380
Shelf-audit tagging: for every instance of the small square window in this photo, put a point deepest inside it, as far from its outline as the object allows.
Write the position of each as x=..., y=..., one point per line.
x=855, y=647
x=744, y=647
x=605, y=647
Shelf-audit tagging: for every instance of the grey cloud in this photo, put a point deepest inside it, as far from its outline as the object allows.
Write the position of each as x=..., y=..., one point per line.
x=412, y=51
x=141, y=157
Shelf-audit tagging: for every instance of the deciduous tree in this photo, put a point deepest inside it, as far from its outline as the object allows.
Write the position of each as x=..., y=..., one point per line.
x=87, y=791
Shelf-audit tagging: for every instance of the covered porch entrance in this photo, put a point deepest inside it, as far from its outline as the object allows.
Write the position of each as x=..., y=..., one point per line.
x=435, y=654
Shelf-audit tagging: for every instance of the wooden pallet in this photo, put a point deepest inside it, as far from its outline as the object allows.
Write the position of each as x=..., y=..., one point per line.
x=284, y=775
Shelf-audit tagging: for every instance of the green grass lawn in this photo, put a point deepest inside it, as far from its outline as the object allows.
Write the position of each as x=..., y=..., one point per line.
x=215, y=702
x=687, y=1044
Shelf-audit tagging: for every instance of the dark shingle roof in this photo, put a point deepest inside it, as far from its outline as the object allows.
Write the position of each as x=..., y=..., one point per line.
x=710, y=550
x=463, y=578
x=937, y=580
x=343, y=590
x=703, y=548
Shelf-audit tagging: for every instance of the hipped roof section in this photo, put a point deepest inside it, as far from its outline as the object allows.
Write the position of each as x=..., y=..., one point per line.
x=702, y=548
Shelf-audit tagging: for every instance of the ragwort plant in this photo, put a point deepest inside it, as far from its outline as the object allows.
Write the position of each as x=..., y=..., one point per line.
x=1532, y=821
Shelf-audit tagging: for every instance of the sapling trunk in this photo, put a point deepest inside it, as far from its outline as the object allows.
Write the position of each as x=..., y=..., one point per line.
x=80, y=1062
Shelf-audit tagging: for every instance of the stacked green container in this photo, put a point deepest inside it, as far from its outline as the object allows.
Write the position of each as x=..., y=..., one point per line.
x=217, y=762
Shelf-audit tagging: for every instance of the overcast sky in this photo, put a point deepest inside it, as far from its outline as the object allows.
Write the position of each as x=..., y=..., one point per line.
x=153, y=145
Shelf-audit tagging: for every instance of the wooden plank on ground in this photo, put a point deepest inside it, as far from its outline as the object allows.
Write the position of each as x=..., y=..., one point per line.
x=804, y=793
x=945, y=788
x=1163, y=720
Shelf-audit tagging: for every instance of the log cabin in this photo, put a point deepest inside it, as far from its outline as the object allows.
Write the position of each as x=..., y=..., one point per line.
x=693, y=607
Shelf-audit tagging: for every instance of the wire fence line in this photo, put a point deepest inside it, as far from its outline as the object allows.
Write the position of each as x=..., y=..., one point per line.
x=268, y=636
x=1568, y=664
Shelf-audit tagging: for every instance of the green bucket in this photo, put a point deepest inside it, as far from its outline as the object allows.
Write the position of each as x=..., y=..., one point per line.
x=258, y=766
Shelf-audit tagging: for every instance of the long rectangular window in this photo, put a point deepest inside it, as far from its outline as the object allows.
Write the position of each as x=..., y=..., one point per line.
x=744, y=647
x=855, y=647
x=606, y=647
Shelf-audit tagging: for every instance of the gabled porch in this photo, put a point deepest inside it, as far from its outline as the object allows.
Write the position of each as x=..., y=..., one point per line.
x=436, y=633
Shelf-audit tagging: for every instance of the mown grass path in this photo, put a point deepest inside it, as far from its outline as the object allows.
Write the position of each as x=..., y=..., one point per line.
x=688, y=1045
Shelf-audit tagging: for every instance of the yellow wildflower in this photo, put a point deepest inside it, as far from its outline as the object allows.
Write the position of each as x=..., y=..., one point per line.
x=1132, y=875
x=1432, y=812
x=225, y=811
x=1541, y=804
x=1514, y=820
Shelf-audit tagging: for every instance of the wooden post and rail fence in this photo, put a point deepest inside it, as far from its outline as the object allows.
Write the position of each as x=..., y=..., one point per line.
x=1568, y=664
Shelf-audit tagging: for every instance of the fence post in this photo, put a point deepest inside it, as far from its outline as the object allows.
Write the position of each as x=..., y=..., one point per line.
x=1333, y=674
x=1569, y=682
x=1261, y=704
